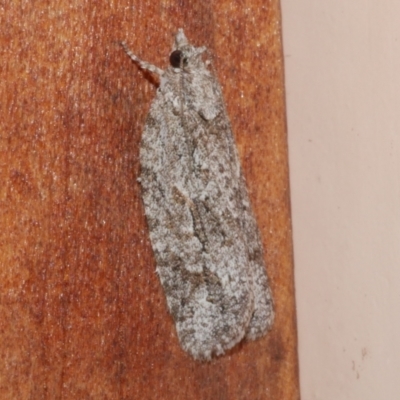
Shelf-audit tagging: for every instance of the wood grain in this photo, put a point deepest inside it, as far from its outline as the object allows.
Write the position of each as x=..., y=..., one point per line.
x=82, y=313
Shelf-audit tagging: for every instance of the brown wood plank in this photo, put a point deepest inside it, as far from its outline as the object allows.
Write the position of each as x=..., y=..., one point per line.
x=82, y=313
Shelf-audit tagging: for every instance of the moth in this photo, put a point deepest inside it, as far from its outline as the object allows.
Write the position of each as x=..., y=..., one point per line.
x=203, y=232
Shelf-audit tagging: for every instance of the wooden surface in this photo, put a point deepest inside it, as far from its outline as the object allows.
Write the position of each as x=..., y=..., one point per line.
x=82, y=313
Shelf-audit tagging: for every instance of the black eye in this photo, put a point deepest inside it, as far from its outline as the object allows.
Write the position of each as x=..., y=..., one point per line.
x=175, y=58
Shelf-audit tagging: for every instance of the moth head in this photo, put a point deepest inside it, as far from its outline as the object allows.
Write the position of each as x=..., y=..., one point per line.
x=183, y=53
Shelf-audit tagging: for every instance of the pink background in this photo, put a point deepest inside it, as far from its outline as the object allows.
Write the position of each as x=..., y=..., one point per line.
x=342, y=67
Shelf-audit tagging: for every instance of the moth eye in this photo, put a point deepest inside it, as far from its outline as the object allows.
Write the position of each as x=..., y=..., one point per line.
x=175, y=58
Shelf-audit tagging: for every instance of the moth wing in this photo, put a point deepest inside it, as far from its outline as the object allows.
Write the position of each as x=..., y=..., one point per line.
x=195, y=228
